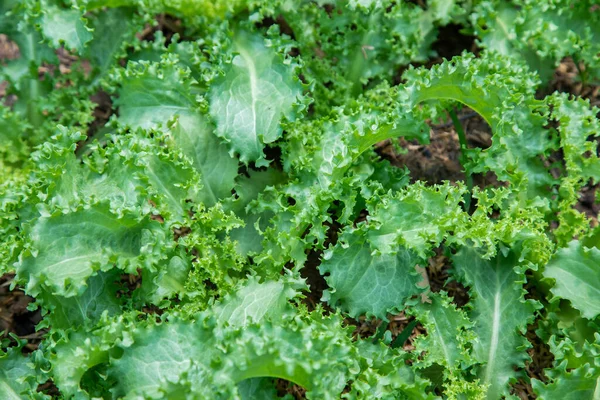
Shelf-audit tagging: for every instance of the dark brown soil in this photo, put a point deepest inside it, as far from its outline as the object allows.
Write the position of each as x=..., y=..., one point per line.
x=15, y=318
x=439, y=160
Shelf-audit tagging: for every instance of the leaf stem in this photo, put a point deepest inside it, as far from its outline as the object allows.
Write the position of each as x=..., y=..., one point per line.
x=581, y=71
x=462, y=139
x=404, y=335
x=380, y=331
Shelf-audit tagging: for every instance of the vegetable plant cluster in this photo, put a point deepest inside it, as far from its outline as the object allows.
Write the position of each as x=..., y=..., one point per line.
x=194, y=196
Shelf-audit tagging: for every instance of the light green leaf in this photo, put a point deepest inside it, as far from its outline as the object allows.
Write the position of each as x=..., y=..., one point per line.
x=100, y=296
x=582, y=383
x=218, y=358
x=361, y=282
x=17, y=376
x=75, y=352
x=258, y=389
x=497, y=30
x=195, y=137
x=68, y=248
x=160, y=355
x=542, y=32
x=417, y=218
x=578, y=126
x=13, y=149
x=22, y=72
x=112, y=29
x=249, y=238
x=499, y=313
x=576, y=271
x=168, y=179
x=248, y=103
x=386, y=375
x=151, y=96
x=448, y=335
x=32, y=51
x=65, y=26
x=485, y=84
x=167, y=282
x=254, y=301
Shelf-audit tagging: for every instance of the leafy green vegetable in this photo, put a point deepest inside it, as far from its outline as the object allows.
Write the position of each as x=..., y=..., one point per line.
x=18, y=377
x=499, y=314
x=201, y=200
x=248, y=102
x=575, y=272
x=362, y=283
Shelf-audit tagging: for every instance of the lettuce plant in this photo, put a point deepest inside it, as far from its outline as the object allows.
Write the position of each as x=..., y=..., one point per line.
x=194, y=201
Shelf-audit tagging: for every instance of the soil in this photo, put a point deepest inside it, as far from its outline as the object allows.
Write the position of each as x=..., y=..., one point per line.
x=439, y=160
x=15, y=318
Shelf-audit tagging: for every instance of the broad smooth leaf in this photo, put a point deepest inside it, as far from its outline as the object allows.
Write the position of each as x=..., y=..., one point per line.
x=364, y=283
x=65, y=26
x=250, y=100
x=576, y=271
x=69, y=248
x=17, y=380
x=582, y=383
x=151, y=97
x=500, y=315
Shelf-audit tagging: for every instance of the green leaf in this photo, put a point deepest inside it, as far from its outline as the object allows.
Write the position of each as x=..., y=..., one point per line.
x=22, y=73
x=576, y=271
x=32, y=52
x=250, y=100
x=361, y=282
x=164, y=353
x=75, y=352
x=13, y=149
x=258, y=389
x=68, y=248
x=109, y=175
x=577, y=126
x=113, y=28
x=249, y=238
x=167, y=282
x=65, y=26
x=385, y=374
x=255, y=301
x=151, y=95
x=485, y=84
x=194, y=136
x=166, y=350
x=17, y=376
x=100, y=296
x=499, y=314
x=448, y=333
x=362, y=42
x=582, y=383
x=541, y=32
x=417, y=218
x=497, y=26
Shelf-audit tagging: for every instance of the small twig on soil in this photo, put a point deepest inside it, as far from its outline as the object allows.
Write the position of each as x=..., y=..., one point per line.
x=35, y=335
x=7, y=283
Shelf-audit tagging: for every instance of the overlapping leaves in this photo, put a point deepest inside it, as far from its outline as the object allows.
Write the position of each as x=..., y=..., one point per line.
x=166, y=247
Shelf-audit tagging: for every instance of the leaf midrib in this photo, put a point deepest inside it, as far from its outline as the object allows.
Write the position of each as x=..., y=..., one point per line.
x=253, y=78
